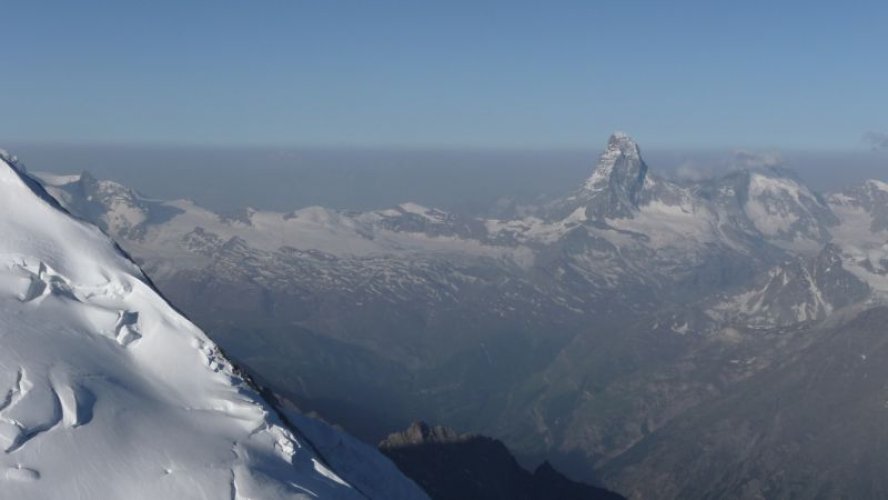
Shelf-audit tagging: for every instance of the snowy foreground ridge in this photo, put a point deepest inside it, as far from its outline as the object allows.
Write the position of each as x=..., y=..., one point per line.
x=106, y=392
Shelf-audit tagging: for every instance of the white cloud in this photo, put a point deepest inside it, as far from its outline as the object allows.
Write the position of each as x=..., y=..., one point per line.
x=754, y=159
x=876, y=140
x=694, y=172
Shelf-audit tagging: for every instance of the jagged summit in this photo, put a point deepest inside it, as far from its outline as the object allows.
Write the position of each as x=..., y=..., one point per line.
x=420, y=433
x=621, y=159
x=454, y=466
x=624, y=143
x=614, y=188
x=86, y=177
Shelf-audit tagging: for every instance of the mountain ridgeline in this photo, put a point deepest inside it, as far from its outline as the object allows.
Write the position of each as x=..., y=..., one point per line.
x=112, y=393
x=453, y=466
x=620, y=331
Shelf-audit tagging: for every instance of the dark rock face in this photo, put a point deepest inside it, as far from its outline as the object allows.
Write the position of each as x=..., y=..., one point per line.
x=615, y=187
x=449, y=465
x=812, y=425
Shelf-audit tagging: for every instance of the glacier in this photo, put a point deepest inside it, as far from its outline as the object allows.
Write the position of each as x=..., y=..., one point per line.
x=108, y=392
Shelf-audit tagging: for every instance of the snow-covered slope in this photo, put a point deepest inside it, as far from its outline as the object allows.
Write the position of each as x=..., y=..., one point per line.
x=106, y=392
x=613, y=310
x=802, y=289
x=863, y=232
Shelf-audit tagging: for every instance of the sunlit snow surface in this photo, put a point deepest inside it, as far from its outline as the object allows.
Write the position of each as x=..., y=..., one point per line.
x=107, y=393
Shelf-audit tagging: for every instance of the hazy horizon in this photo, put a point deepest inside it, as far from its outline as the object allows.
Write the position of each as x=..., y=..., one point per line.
x=539, y=251
x=467, y=180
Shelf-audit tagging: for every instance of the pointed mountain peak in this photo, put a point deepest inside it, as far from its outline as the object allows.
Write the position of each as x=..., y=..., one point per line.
x=87, y=176
x=617, y=181
x=619, y=165
x=623, y=143
x=87, y=183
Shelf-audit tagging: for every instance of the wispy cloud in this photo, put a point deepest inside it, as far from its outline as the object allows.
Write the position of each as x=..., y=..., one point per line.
x=694, y=172
x=756, y=159
x=876, y=140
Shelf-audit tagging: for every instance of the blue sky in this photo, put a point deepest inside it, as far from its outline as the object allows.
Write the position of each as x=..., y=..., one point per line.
x=553, y=74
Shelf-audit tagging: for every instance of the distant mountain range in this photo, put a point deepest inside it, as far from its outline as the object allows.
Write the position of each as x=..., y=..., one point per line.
x=613, y=330
x=109, y=392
